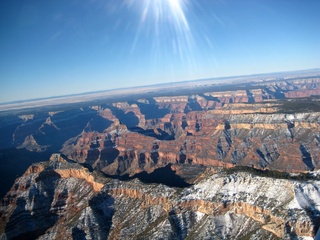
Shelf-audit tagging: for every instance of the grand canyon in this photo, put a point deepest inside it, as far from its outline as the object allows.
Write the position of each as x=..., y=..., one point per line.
x=235, y=158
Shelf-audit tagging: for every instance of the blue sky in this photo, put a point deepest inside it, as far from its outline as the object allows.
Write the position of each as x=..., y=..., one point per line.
x=51, y=48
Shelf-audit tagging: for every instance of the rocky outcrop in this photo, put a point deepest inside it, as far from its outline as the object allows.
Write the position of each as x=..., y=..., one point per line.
x=26, y=117
x=209, y=138
x=250, y=123
x=60, y=199
x=302, y=93
x=30, y=144
x=44, y=194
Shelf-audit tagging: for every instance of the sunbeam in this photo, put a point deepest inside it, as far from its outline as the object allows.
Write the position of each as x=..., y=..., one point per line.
x=120, y=43
x=165, y=29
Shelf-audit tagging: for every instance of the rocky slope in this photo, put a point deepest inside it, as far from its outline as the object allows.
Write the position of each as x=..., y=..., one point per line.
x=63, y=200
x=252, y=123
x=210, y=138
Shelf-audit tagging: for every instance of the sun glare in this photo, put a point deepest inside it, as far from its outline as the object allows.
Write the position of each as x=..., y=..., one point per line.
x=166, y=23
x=166, y=34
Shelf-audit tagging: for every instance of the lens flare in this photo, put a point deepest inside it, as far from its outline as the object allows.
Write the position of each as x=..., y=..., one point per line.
x=166, y=34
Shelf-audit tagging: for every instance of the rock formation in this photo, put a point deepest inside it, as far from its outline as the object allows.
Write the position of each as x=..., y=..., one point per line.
x=239, y=162
x=239, y=134
x=63, y=200
x=254, y=124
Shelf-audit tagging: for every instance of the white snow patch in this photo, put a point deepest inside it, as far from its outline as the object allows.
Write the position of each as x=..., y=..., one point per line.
x=199, y=215
x=290, y=117
x=307, y=195
x=294, y=204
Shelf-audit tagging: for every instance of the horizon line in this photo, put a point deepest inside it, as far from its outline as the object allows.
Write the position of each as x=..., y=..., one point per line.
x=151, y=85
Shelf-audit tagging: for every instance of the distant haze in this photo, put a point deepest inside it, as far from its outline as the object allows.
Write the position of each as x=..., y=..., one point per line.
x=54, y=48
x=211, y=84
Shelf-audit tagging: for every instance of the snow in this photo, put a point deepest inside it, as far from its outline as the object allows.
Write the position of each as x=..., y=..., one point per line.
x=241, y=187
x=199, y=215
x=307, y=195
x=294, y=204
x=290, y=117
x=269, y=192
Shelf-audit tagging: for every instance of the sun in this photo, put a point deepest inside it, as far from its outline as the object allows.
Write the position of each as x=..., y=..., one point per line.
x=177, y=10
x=165, y=10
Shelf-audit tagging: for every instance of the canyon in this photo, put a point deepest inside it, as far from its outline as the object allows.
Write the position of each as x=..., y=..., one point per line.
x=60, y=199
x=236, y=160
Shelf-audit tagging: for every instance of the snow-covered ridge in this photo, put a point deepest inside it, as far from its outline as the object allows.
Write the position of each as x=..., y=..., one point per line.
x=246, y=187
x=220, y=206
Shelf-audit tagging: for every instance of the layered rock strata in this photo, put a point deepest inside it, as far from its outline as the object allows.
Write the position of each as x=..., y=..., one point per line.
x=276, y=141
x=249, y=124
x=60, y=199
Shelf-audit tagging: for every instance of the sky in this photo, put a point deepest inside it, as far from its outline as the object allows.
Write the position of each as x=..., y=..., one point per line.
x=52, y=48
